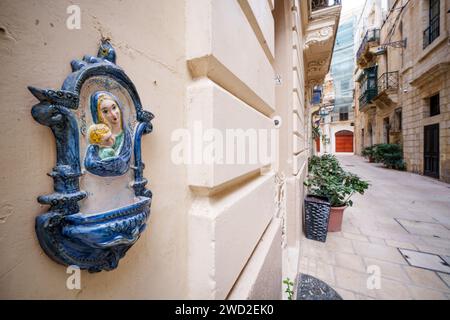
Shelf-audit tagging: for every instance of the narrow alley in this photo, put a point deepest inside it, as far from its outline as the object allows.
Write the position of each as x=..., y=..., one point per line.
x=400, y=211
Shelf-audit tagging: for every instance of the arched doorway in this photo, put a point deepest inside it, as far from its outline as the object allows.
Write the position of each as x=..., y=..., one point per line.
x=344, y=141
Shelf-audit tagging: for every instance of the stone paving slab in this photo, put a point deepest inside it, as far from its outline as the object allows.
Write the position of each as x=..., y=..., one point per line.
x=393, y=290
x=426, y=279
x=389, y=270
x=372, y=235
x=425, y=228
x=445, y=277
x=400, y=244
x=350, y=261
x=420, y=293
x=380, y=252
x=425, y=260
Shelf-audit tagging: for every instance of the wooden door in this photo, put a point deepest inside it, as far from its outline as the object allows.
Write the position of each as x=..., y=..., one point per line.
x=344, y=141
x=431, y=151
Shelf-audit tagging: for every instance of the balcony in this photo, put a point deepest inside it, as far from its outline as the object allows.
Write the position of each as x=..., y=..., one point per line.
x=321, y=22
x=365, y=99
x=369, y=87
x=431, y=33
x=388, y=86
x=388, y=82
x=323, y=4
x=364, y=56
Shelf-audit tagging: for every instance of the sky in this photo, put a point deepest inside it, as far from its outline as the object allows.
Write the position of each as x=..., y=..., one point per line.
x=351, y=4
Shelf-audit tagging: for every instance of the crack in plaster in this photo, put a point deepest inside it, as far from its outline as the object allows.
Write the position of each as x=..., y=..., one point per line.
x=129, y=49
x=7, y=211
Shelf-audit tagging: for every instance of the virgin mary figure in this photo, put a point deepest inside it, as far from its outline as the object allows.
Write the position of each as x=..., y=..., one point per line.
x=109, y=152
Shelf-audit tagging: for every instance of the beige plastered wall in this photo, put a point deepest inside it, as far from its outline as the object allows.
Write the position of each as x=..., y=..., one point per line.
x=36, y=49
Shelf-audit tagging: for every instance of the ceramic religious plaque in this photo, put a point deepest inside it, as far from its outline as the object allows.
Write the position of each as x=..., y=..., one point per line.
x=100, y=203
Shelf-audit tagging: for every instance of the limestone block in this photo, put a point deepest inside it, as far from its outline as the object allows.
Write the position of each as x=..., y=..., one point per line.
x=223, y=232
x=259, y=15
x=294, y=21
x=295, y=59
x=298, y=105
x=294, y=206
x=298, y=124
x=240, y=67
x=212, y=109
x=296, y=82
x=295, y=42
x=261, y=277
x=300, y=161
x=298, y=143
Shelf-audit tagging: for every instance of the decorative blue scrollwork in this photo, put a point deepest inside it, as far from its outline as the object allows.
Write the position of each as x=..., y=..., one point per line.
x=95, y=241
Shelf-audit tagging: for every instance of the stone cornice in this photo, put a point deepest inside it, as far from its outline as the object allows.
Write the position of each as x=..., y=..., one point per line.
x=431, y=73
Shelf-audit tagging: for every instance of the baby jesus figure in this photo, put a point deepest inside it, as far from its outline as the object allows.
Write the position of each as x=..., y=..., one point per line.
x=101, y=135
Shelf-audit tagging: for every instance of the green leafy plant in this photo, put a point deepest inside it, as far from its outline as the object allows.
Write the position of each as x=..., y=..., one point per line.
x=327, y=179
x=391, y=155
x=289, y=285
x=368, y=152
x=315, y=132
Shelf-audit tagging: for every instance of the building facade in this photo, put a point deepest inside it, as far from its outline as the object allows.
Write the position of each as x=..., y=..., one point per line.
x=342, y=117
x=340, y=122
x=335, y=117
x=216, y=230
x=366, y=38
x=402, y=95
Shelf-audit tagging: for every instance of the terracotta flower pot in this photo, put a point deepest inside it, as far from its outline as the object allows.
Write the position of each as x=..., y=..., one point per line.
x=335, y=222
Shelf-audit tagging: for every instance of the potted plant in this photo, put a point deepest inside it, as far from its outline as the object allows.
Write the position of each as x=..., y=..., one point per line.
x=391, y=155
x=369, y=153
x=327, y=179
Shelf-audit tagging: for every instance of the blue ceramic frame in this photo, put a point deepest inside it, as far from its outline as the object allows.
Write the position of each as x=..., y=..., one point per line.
x=94, y=242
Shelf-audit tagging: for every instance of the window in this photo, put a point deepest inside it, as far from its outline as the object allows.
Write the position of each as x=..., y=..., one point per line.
x=434, y=105
x=369, y=86
x=432, y=32
x=370, y=81
x=345, y=85
x=398, y=120
x=343, y=114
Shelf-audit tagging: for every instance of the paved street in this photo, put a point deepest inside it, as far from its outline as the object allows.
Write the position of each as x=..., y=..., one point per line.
x=400, y=210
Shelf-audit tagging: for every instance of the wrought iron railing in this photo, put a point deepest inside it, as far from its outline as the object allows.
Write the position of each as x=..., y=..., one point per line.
x=388, y=81
x=322, y=4
x=432, y=32
x=372, y=35
x=367, y=96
